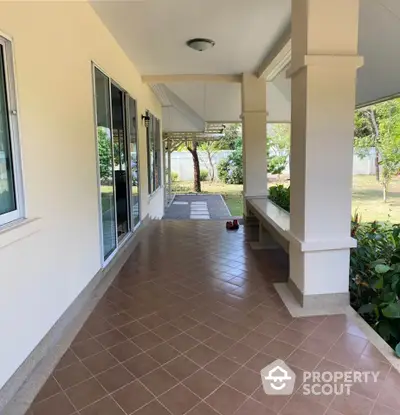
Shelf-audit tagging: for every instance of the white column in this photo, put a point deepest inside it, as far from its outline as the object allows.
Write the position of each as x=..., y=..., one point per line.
x=323, y=74
x=254, y=125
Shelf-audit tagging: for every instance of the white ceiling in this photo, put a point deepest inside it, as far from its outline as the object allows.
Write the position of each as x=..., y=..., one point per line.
x=153, y=33
x=379, y=37
x=211, y=100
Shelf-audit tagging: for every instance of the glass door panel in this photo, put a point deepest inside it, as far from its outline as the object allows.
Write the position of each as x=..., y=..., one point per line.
x=105, y=152
x=120, y=162
x=134, y=153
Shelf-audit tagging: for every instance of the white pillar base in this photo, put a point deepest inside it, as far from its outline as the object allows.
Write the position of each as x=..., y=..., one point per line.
x=330, y=305
x=319, y=272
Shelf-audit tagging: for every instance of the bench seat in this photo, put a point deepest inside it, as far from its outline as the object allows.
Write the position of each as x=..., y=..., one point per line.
x=273, y=222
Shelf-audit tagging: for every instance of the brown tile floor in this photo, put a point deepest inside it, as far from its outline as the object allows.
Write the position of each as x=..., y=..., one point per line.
x=187, y=326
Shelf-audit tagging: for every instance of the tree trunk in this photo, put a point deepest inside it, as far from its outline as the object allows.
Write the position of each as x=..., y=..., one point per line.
x=196, y=167
x=377, y=165
x=210, y=161
x=376, y=130
x=385, y=192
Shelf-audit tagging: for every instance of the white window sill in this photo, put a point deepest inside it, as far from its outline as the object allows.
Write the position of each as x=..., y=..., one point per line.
x=18, y=230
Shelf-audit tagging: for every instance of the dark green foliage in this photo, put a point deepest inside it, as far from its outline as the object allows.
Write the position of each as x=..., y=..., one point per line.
x=375, y=277
x=278, y=147
x=277, y=164
x=280, y=195
x=232, y=133
x=230, y=170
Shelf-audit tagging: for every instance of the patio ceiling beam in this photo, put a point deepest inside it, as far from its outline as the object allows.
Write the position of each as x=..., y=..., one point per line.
x=278, y=58
x=166, y=79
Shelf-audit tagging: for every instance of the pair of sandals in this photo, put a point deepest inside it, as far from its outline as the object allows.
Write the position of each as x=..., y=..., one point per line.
x=232, y=226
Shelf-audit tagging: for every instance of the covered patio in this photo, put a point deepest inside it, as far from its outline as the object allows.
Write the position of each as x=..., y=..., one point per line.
x=123, y=313
x=302, y=63
x=190, y=332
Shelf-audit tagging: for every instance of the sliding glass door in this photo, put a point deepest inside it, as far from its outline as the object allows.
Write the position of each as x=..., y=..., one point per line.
x=121, y=172
x=105, y=162
x=134, y=154
x=117, y=162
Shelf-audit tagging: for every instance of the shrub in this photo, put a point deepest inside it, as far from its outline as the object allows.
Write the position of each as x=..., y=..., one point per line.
x=174, y=176
x=281, y=196
x=203, y=175
x=277, y=164
x=222, y=169
x=375, y=278
x=230, y=170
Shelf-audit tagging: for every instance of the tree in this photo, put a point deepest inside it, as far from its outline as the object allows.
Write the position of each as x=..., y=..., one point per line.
x=192, y=148
x=105, y=156
x=367, y=135
x=378, y=126
x=278, y=147
x=232, y=133
x=210, y=148
x=388, y=142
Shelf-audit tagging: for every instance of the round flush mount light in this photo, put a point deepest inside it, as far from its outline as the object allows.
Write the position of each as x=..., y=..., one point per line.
x=200, y=44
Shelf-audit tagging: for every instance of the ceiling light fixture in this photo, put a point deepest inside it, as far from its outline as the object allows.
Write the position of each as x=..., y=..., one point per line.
x=200, y=44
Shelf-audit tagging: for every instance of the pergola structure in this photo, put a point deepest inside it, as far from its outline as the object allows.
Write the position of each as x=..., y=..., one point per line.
x=173, y=140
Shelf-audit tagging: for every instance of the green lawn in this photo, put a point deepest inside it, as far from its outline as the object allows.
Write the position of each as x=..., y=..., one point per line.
x=234, y=203
x=367, y=197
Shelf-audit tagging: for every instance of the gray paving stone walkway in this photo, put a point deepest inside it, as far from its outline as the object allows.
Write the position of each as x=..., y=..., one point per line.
x=201, y=207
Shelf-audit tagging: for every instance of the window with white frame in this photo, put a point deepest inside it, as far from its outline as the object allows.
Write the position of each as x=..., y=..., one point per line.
x=10, y=175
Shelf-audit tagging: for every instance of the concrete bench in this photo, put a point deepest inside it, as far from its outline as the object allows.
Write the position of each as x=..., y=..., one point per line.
x=273, y=223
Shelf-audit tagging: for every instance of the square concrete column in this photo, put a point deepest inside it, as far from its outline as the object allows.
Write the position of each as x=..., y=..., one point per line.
x=323, y=75
x=254, y=129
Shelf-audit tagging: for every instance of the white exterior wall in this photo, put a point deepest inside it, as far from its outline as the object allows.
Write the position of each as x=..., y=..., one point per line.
x=156, y=204
x=361, y=166
x=41, y=274
x=182, y=162
x=365, y=165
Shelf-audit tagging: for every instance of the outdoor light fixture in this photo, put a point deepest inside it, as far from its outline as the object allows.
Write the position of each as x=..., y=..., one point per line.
x=200, y=44
x=146, y=120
